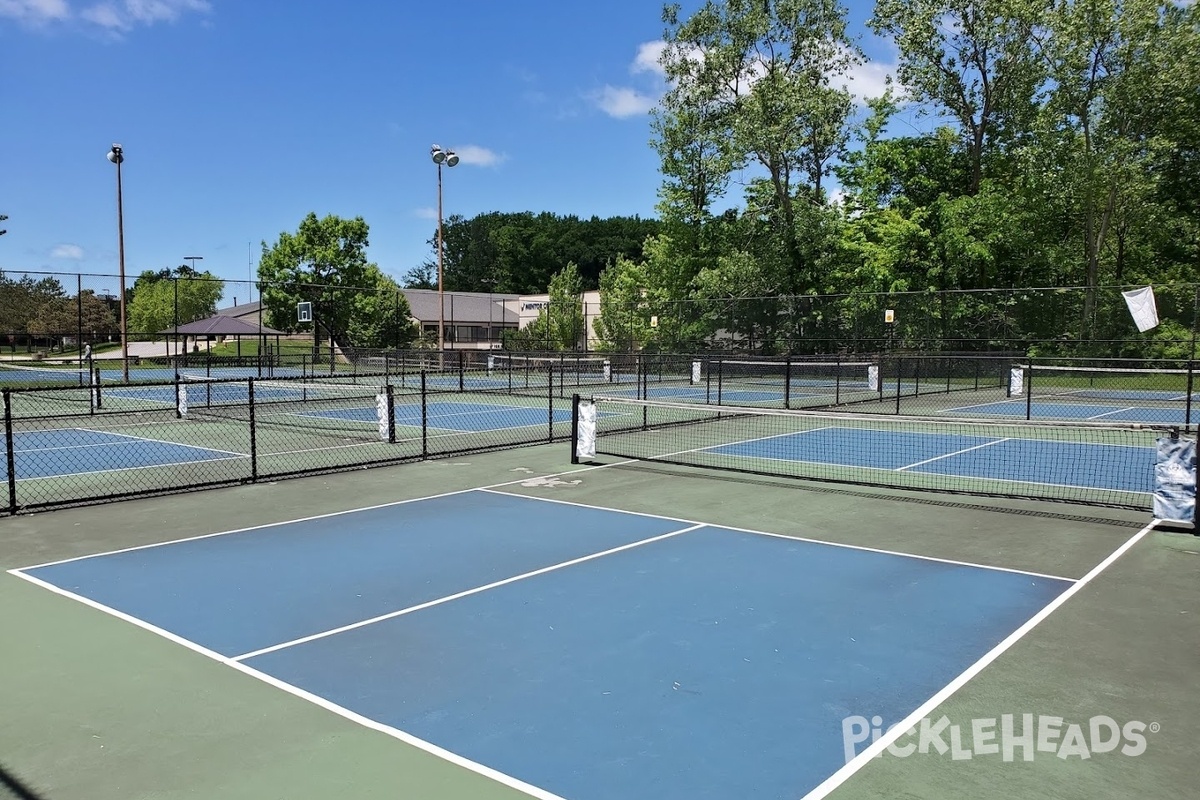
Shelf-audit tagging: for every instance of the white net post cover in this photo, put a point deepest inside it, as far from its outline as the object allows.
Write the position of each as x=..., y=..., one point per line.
x=873, y=377
x=183, y=400
x=1175, y=480
x=585, y=439
x=695, y=372
x=491, y=363
x=381, y=411
x=607, y=369
x=1016, y=381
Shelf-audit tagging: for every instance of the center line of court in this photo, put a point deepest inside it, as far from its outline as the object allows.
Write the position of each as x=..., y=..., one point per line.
x=466, y=593
x=954, y=453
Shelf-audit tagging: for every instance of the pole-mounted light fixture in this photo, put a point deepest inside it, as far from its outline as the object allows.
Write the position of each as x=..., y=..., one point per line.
x=449, y=158
x=117, y=156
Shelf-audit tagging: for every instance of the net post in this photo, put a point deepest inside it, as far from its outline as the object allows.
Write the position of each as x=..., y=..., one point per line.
x=461, y=369
x=178, y=414
x=424, y=416
x=575, y=428
x=10, y=458
x=391, y=411
x=253, y=431
x=99, y=397
x=787, y=382
x=1029, y=391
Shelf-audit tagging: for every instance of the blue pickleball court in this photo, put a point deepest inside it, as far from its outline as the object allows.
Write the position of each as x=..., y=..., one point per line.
x=591, y=653
x=1045, y=461
x=62, y=452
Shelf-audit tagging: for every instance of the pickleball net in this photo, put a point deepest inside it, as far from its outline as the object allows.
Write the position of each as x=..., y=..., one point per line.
x=341, y=409
x=1101, y=464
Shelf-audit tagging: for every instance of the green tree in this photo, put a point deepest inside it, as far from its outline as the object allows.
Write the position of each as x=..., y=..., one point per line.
x=757, y=84
x=66, y=316
x=153, y=303
x=323, y=263
x=971, y=59
x=380, y=318
x=22, y=298
x=560, y=325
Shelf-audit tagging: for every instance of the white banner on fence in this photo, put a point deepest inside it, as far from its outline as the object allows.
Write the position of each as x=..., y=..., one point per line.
x=1016, y=381
x=1142, y=307
x=695, y=372
x=585, y=439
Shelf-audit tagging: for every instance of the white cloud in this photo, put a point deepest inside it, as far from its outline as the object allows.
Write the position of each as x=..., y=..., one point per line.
x=647, y=58
x=870, y=80
x=114, y=16
x=622, y=102
x=123, y=15
x=425, y=213
x=72, y=252
x=478, y=156
x=35, y=12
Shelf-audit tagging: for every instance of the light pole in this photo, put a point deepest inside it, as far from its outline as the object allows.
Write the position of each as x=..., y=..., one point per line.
x=117, y=156
x=448, y=158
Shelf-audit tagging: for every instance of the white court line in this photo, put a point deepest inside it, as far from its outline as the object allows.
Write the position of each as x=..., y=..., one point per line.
x=1115, y=411
x=953, y=453
x=786, y=536
x=466, y=593
x=162, y=442
x=366, y=722
x=231, y=457
x=925, y=709
x=325, y=516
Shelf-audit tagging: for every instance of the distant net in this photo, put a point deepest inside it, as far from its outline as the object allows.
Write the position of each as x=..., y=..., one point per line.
x=1106, y=384
x=21, y=375
x=1089, y=463
x=335, y=408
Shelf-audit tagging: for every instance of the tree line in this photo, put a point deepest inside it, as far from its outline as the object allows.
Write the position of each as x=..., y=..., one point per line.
x=1061, y=149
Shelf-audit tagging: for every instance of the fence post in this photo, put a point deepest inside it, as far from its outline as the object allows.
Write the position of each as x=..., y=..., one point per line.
x=787, y=382
x=9, y=453
x=899, y=376
x=253, y=432
x=424, y=417
x=574, y=428
x=1187, y=412
x=1029, y=391
x=391, y=411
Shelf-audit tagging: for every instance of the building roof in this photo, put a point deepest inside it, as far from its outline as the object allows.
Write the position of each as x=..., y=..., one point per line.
x=221, y=325
x=240, y=310
x=462, y=308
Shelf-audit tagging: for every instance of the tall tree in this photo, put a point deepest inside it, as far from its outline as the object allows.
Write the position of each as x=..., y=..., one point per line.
x=757, y=82
x=324, y=263
x=973, y=60
x=157, y=295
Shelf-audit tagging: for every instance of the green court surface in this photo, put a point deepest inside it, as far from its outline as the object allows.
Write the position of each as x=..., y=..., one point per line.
x=96, y=707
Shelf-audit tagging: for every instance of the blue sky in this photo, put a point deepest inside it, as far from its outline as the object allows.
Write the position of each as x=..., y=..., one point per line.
x=238, y=117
